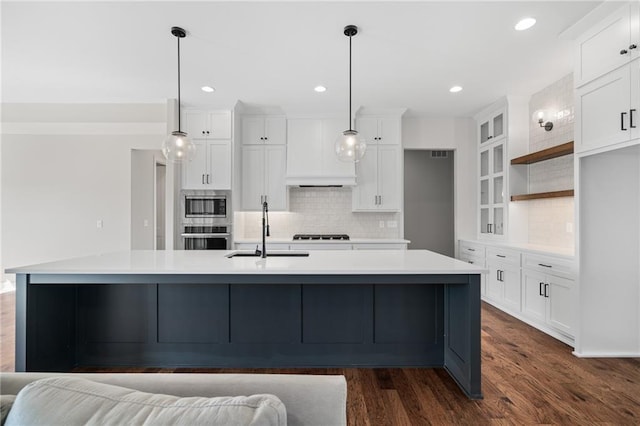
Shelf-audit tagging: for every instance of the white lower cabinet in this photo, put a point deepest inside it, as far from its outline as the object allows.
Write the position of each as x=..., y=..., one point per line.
x=535, y=288
x=503, y=282
x=549, y=294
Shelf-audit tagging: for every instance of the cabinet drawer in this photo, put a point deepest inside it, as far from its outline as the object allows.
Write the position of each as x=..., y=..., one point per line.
x=548, y=264
x=472, y=248
x=474, y=260
x=503, y=255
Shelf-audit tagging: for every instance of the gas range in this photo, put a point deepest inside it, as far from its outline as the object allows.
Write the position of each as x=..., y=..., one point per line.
x=343, y=237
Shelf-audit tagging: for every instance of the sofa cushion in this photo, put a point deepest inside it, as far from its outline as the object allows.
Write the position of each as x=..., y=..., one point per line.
x=76, y=401
x=6, y=401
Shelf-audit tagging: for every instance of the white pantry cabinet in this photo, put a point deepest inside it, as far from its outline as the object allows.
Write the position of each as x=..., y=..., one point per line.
x=208, y=124
x=264, y=129
x=493, y=164
x=608, y=82
x=379, y=172
x=612, y=43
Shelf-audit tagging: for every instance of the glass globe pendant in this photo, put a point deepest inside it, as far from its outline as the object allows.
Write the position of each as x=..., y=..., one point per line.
x=177, y=147
x=350, y=145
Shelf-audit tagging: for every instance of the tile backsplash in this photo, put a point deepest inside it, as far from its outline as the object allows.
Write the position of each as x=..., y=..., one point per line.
x=551, y=220
x=318, y=211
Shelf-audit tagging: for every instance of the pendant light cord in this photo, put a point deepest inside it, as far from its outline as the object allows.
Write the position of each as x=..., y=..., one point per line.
x=178, y=84
x=350, y=124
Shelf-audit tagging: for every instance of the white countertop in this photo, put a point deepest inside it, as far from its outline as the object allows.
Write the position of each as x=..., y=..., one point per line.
x=350, y=241
x=319, y=262
x=567, y=253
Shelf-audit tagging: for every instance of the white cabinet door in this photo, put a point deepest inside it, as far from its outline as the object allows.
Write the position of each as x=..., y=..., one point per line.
x=195, y=171
x=275, y=129
x=603, y=107
x=274, y=181
x=599, y=50
x=365, y=193
x=510, y=277
x=492, y=189
x=252, y=131
x=219, y=171
x=389, y=186
x=196, y=124
x=219, y=124
x=493, y=127
x=389, y=131
x=534, y=304
x=561, y=304
x=368, y=128
x=495, y=287
x=634, y=111
x=331, y=165
x=253, y=175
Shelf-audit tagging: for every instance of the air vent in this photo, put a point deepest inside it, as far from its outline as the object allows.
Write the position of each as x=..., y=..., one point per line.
x=439, y=154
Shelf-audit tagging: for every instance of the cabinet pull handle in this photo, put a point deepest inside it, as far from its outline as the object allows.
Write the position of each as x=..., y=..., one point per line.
x=470, y=249
x=624, y=52
x=380, y=200
x=470, y=261
x=546, y=290
x=489, y=137
x=207, y=132
x=632, y=46
x=622, y=114
x=208, y=178
x=540, y=288
x=203, y=179
x=490, y=227
x=631, y=111
x=266, y=138
x=498, y=274
x=203, y=132
x=501, y=255
x=545, y=266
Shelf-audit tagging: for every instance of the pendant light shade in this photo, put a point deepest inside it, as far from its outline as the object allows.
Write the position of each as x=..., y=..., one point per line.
x=350, y=145
x=177, y=147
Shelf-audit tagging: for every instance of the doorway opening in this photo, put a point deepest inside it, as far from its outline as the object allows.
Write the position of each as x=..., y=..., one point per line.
x=429, y=218
x=160, y=204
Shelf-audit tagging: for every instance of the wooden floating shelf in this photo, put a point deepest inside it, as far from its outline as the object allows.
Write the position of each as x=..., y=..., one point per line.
x=552, y=194
x=545, y=154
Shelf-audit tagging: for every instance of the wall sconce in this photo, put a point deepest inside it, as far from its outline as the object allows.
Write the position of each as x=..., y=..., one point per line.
x=548, y=125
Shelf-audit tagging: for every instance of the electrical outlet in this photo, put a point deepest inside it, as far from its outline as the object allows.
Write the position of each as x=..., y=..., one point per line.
x=392, y=224
x=99, y=224
x=570, y=227
x=146, y=223
x=381, y=224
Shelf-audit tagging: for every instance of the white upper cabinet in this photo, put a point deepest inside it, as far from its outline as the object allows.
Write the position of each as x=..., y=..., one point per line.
x=608, y=84
x=379, y=130
x=270, y=130
x=311, y=158
x=263, y=170
x=208, y=124
x=210, y=168
x=612, y=43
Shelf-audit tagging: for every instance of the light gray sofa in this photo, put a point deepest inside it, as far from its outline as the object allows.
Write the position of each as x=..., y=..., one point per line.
x=308, y=399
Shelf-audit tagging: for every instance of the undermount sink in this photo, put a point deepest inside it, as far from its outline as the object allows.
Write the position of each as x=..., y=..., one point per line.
x=272, y=253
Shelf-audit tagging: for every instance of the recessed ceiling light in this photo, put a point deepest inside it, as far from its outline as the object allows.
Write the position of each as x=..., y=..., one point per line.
x=455, y=89
x=525, y=24
x=320, y=89
x=208, y=89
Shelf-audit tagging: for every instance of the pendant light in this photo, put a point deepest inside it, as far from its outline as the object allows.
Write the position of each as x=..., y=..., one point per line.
x=350, y=146
x=177, y=147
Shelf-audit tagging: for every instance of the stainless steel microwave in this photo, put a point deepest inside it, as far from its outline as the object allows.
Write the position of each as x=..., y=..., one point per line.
x=205, y=206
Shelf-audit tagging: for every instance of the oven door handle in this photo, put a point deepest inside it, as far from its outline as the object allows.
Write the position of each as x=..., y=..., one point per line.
x=226, y=235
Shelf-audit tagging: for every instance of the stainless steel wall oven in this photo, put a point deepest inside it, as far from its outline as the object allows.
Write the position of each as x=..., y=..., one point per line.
x=207, y=237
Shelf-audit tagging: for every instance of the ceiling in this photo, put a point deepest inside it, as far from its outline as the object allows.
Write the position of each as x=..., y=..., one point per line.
x=406, y=54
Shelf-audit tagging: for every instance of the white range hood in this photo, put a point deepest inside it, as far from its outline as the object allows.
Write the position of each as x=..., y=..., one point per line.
x=311, y=159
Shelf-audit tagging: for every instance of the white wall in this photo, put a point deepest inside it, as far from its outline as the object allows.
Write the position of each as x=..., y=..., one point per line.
x=143, y=164
x=63, y=168
x=457, y=134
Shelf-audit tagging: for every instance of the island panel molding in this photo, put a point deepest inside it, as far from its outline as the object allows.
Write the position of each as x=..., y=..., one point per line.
x=420, y=315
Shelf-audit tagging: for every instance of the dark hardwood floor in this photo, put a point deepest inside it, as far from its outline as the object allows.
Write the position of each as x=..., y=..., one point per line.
x=527, y=378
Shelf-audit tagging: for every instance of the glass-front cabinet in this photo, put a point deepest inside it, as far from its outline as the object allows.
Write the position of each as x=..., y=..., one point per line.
x=492, y=129
x=492, y=189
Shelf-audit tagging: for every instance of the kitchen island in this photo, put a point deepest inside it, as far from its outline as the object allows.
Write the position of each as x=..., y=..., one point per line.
x=378, y=308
